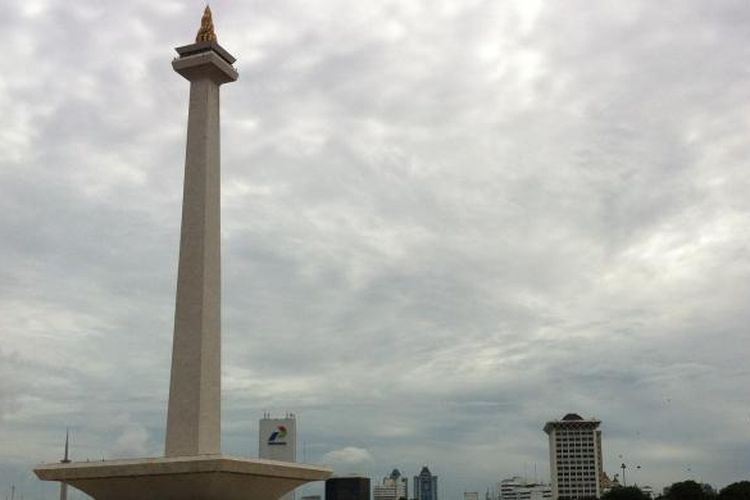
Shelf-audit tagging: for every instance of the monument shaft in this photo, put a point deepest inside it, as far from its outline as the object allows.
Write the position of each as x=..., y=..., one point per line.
x=194, y=413
x=194, y=410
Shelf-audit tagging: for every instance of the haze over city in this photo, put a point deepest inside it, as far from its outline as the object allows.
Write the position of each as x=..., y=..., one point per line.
x=445, y=223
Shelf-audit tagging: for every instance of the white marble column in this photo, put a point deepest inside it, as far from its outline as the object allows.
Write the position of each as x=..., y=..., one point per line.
x=194, y=411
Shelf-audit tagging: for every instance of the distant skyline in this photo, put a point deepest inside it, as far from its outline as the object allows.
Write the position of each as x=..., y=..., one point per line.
x=445, y=223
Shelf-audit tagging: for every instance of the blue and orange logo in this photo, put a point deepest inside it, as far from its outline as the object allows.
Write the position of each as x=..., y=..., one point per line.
x=278, y=436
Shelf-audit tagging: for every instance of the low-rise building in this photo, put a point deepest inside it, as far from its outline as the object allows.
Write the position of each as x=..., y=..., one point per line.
x=518, y=488
x=348, y=488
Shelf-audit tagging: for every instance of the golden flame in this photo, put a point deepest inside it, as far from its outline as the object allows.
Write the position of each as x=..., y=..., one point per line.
x=206, y=32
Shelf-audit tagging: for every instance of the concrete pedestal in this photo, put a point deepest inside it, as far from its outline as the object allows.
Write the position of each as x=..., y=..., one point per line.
x=208, y=477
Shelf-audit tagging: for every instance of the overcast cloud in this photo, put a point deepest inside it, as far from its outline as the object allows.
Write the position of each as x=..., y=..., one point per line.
x=445, y=222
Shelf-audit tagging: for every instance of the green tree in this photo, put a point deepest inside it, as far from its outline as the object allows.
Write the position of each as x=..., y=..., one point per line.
x=625, y=493
x=736, y=491
x=689, y=490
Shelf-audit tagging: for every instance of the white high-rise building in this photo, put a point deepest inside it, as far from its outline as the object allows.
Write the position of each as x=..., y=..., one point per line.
x=394, y=487
x=575, y=457
x=518, y=488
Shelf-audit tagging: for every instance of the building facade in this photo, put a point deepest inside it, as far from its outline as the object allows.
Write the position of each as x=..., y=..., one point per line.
x=575, y=457
x=518, y=488
x=425, y=485
x=348, y=488
x=393, y=487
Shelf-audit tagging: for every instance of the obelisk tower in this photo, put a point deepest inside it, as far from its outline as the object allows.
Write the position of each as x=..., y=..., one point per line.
x=193, y=466
x=65, y=460
x=194, y=411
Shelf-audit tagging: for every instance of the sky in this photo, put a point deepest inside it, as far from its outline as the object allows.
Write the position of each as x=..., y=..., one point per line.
x=445, y=223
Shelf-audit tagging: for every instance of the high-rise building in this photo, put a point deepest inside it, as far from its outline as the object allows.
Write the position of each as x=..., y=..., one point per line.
x=425, y=485
x=348, y=488
x=393, y=487
x=277, y=440
x=518, y=488
x=575, y=457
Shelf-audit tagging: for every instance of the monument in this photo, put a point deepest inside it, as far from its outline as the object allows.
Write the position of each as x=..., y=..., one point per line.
x=193, y=466
x=65, y=460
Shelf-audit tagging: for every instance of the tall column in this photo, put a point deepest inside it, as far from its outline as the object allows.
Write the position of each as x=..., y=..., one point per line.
x=65, y=460
x=194, y=411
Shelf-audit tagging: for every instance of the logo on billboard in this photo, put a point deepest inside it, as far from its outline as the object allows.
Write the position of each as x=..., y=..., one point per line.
x=278, y=436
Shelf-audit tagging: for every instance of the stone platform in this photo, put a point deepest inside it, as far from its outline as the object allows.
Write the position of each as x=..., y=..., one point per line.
x=204, y=477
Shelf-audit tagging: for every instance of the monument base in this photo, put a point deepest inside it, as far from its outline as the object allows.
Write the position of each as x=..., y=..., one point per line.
x=214, y=477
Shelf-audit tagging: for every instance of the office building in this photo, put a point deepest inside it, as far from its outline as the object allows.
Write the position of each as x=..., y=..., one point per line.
x=575, y=451
x=393, y=487
x=348, y=488
x=425, y=485
x=518, y=488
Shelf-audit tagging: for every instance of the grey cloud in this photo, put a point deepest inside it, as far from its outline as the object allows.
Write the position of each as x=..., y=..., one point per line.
x=444, y=223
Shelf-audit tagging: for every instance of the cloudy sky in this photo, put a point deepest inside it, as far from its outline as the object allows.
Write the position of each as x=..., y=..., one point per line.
x=445, y=222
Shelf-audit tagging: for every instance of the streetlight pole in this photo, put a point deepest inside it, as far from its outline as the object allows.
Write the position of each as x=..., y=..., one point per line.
x=624, y=483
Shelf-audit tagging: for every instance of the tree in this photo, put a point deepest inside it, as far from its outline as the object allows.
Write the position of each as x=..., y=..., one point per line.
x=625, y=493
x=736, y=491
x=689, y=490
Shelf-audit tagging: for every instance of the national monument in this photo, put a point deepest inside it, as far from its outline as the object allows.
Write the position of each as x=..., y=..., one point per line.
x=193, y=467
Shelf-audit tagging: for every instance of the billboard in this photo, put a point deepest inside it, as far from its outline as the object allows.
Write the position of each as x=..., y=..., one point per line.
x=277, y=439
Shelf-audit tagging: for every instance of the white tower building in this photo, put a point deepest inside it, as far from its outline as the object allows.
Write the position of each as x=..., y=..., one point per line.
x=575, y=457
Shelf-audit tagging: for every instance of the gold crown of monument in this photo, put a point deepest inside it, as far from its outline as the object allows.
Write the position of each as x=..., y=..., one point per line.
x=206, y=32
